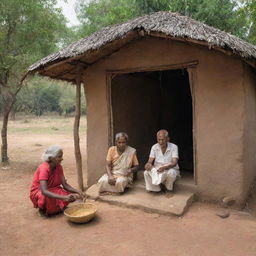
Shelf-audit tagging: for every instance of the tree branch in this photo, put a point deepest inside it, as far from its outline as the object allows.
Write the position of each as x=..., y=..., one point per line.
x=20, y=84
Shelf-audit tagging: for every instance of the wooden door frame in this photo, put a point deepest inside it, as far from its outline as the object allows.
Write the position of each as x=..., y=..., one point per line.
x=191, y=68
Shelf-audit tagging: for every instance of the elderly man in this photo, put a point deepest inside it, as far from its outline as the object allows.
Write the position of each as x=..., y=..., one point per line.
x=162, y=166
x=122, y=162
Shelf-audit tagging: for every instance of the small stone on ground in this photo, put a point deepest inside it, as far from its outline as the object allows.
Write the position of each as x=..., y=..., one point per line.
x=223, y=214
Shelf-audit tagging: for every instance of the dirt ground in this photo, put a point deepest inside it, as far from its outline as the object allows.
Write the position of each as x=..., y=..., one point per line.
x=115, y=230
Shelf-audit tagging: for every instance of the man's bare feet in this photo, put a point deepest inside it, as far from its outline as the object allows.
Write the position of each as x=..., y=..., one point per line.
x=169, y=193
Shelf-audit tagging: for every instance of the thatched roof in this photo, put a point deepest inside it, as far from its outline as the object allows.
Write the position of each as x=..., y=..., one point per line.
x=88, y=50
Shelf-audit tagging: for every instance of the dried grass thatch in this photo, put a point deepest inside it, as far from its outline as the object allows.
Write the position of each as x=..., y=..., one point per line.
x=167, y=24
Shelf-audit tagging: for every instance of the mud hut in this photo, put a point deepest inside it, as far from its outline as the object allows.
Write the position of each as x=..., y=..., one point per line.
x=165, y=70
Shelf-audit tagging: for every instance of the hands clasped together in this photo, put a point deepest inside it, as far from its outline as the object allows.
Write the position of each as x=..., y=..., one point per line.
x=74, y=196
x=112, y=178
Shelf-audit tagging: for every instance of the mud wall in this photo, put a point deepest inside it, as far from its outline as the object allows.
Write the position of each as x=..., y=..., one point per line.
x=218, y=118
x=249, y=79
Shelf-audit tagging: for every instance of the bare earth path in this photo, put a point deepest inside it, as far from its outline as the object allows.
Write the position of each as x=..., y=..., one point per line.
x=115, y=231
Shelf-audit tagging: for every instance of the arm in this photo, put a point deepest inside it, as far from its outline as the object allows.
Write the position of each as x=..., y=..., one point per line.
x=111, y=179
x=70, y=188
x=172, y=164
x=46, y=192
x=134, y=168
x=109, y=168
x=149, y=164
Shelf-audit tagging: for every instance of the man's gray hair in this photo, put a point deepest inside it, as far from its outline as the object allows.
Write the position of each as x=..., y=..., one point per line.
x=121, y=134
x=165, y=132
x=52, y=151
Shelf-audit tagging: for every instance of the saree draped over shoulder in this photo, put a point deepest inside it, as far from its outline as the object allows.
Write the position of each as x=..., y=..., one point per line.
x=120, y=164
x=50, y=205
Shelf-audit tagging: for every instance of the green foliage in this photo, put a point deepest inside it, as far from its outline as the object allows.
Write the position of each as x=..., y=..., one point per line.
x=39, y=96
x=68, y=99
x=248, y=11
x=223, y=14
x=95, y=15
x=29, y=30
x=44, y=95
x=149, y=6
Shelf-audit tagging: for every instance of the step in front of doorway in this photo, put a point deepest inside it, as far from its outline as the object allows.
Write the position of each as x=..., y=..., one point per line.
x=160, y=203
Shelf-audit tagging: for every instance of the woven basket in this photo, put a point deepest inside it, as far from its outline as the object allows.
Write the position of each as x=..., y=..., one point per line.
x=81, y=213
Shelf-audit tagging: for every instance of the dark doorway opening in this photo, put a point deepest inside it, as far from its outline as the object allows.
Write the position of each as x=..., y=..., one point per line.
x=145, y=102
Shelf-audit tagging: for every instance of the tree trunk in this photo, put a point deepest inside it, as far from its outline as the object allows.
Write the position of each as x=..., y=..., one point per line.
x=9, y=99
x=4, y=138
x=13, y=114
x=76, y=129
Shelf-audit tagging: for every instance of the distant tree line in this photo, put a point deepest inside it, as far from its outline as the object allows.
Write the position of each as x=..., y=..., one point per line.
x=42, y=96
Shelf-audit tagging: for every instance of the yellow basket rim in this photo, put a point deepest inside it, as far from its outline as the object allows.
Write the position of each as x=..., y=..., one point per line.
x=70, y=216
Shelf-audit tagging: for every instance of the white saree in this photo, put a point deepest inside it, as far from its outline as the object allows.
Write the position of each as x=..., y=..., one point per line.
x=119, y=168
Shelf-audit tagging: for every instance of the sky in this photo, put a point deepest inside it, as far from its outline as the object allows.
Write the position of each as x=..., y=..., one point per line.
x=69, y=11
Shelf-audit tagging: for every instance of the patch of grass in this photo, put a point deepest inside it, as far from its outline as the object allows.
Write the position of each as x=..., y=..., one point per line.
x=45, y=125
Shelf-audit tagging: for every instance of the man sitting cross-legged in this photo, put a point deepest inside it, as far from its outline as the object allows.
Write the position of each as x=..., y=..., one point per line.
x=122, y=162
x=165, y=168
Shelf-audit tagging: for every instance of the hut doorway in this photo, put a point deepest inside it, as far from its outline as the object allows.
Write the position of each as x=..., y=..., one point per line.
x=144, y=102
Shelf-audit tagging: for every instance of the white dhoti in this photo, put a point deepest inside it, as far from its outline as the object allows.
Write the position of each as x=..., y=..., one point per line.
x=153, y=179
x=121, y=184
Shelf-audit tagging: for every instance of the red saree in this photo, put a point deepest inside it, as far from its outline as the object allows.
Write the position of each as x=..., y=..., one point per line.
x=50, y=205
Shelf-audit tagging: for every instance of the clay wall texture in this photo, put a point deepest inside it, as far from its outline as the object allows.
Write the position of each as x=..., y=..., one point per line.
x=249, y=159
x=219, y=112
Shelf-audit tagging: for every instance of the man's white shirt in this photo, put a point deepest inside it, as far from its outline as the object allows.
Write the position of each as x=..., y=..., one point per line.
x=166, y=158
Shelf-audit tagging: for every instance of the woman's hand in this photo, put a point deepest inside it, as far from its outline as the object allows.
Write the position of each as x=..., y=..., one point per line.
x=70, y=198
x=80, y=194
x=111, y=180
x=128, y=172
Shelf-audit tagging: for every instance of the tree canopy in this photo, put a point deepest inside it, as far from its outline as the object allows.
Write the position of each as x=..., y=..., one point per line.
x=249, y=13
x=29, y=30
x=227, y=15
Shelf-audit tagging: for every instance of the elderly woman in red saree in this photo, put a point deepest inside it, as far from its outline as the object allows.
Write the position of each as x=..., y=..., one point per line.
x=122, y=162
x=50, y=191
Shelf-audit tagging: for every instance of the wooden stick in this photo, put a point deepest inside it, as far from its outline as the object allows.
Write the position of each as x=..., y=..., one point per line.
x=76, y=128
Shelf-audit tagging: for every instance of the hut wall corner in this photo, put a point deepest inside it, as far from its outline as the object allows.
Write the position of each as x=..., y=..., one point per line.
x=97, y=124
x=249, y=82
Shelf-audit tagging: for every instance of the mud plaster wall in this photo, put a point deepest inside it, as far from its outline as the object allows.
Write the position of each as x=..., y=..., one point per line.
x=250, y=128
x=219, y=111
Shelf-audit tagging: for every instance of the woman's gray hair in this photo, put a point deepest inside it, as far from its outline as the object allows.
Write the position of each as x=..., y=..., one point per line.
x=52, y=151
x=121, y=134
